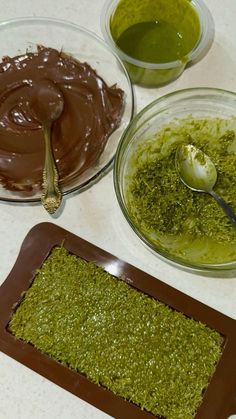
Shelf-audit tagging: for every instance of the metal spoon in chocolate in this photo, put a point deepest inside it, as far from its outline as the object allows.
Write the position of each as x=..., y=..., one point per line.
x=47, y=105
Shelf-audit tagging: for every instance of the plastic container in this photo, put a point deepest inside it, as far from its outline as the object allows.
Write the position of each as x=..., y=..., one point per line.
x=191, y=21
x=204, y=252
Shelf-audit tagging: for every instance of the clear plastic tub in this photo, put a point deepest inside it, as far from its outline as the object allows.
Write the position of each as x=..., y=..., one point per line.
x=118, y=15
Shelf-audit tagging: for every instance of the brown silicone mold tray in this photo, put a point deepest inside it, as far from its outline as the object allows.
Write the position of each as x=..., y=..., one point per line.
x=219, y=400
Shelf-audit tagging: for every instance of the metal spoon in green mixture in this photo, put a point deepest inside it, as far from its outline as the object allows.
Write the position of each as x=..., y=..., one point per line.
x=198, y=172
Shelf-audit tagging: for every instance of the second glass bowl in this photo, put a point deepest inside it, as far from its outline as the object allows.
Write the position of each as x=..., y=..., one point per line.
x=157, y=206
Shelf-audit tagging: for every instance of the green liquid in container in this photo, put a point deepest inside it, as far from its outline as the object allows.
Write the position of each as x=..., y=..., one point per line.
x=150, y=33
x=154, y=42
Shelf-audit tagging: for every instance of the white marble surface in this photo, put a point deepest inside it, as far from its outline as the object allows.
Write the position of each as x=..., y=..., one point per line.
x=95, y=215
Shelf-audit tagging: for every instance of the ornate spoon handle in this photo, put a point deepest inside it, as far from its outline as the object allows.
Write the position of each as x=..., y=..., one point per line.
x=51, y=196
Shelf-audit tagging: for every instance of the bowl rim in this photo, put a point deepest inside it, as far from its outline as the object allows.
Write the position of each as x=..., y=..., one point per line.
x=175, y=261
x=205, y=38
x=41, y=19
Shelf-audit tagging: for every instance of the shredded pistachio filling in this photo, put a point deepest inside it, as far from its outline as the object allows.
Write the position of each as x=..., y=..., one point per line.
x=120, y=338
x=187, y=224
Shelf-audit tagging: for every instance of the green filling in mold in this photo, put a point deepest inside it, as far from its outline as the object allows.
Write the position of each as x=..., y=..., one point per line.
x=118, y=337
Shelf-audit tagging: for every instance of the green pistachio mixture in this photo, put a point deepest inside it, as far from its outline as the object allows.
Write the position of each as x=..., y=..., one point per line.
x=118, y=337
x=186, y=224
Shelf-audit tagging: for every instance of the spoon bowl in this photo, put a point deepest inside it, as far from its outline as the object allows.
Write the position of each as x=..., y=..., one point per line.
x=195, y=168
x=47, y=102
x=198, y=172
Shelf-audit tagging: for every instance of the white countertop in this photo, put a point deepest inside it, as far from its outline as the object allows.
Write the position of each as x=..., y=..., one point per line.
x=96, y=216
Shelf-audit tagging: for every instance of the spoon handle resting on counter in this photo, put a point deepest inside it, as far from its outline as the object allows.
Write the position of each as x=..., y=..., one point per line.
x=228, y=211
x=51, y=196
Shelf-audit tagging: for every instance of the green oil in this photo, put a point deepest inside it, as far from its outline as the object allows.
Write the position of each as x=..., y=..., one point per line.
x=154, y=42
x=155, y=31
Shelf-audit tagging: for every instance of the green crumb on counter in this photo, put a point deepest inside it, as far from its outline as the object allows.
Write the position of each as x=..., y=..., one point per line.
x=118, y=337
x=186, y=224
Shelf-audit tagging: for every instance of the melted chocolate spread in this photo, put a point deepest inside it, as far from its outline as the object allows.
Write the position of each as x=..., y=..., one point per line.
x=91, y=111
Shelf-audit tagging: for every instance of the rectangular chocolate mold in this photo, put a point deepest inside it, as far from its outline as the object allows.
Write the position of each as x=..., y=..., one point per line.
x=219, y=399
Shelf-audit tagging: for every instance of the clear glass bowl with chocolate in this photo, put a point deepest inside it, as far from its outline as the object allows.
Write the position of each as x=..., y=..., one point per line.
x=98, y=105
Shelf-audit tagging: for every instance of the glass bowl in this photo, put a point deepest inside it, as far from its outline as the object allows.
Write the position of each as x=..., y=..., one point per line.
x=185, y=227
x=21, y=35
x=192, y=21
